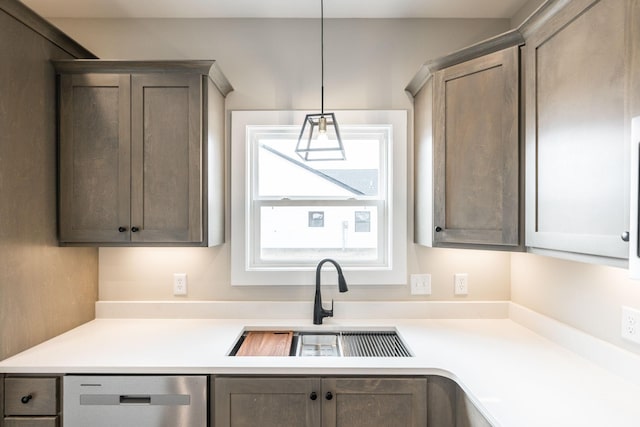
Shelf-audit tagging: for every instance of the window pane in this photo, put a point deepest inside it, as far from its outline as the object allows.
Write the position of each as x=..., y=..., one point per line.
x=309, y=233
x=281, y=173
x=275, y=200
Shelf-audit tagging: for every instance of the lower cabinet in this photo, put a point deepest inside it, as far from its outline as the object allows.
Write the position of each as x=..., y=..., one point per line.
x=326, y=402
x=30, y=402
x=281, y=401
x=449, y=406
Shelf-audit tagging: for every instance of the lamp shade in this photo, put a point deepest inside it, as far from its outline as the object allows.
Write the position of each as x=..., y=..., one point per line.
x=320, y=138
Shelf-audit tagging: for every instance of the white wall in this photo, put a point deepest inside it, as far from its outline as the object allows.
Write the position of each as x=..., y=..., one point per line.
x=585, y=296
x=525, y=11
x=274, y=64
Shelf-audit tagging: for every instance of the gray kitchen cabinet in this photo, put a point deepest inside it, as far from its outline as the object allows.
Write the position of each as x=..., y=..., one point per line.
x=577, y=57
x=467, y=148
x=266, y=402
x=30, y=401
x=449, y=405
x=374, y=402
x=327, y=402
x=141, y=153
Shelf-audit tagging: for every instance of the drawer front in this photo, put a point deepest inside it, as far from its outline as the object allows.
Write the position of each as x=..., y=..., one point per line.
x=31, y=422
x=31, y=396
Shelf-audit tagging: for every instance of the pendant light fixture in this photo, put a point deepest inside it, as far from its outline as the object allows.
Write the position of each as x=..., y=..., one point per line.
x=320, y=136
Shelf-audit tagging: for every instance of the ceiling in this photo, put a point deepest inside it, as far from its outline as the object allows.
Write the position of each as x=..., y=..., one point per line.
x=275, y=8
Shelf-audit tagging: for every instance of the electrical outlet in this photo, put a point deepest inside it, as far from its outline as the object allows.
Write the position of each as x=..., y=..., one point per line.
x=630, y=325
x=179, y=283
x=461, y=284
x=420, y=284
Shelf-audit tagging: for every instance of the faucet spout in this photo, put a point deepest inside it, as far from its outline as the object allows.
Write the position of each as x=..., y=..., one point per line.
x=319, y=312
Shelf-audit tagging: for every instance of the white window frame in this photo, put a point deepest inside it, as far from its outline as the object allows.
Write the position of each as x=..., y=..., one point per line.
x=394, y=273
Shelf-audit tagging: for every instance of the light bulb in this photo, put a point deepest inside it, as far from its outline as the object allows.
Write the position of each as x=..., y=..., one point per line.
x=322, y=130
x=323, y=137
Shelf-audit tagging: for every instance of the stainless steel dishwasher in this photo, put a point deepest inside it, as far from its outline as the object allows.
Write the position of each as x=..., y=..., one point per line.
x=134, y=401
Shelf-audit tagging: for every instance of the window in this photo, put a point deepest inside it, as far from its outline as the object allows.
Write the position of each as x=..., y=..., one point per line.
x=288, y=214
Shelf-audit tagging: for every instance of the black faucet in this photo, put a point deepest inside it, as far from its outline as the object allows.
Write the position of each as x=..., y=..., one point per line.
x=320, y=313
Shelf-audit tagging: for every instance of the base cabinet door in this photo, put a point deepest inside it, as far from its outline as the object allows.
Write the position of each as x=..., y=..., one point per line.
x=374, y=402
x=266, y=402
x=315, y=402
x=449, y=405
x=31, y=422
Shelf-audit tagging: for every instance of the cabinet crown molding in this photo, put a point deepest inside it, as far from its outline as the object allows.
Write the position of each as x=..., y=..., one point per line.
x=38, y=24
x=515, y=37
x=494, y=44
x=207, y=67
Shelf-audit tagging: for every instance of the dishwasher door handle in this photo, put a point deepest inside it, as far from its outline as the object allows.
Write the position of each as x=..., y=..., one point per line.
x=135, y=400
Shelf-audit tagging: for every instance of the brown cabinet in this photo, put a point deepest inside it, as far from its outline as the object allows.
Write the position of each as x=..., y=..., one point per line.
x=476, y=151
x=374, y=402
x=312, y=401
x=578, y=77
x=467, y=148
x=266, y=402
x=141, y=153
x=449, y=405
x=31, y=402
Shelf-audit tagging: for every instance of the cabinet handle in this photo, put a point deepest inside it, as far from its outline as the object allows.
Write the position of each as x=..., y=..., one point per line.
x=134, y=229
x=329, y=395
x=122, y=229
x=313, y=395
x=625, y=236
x=438, y=229
x=26, y=399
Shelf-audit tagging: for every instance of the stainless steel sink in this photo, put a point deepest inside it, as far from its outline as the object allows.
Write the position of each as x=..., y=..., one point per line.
x=349, y=343
x=311, y=344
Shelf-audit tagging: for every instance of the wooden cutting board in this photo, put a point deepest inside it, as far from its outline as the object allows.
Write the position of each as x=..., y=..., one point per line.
x=266, y=343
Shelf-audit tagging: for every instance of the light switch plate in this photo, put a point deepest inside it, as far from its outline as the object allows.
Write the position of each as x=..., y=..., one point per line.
x=420, y=284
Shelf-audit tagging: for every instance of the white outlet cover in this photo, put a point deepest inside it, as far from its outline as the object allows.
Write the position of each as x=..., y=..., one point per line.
x=180, y=284
x=461, y=284
x=630, y=324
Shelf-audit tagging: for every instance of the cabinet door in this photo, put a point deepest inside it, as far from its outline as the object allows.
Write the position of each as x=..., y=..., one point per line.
x=374, y=402
x=576, y=140
x=31, y=422
x=167, y=158
x=476, y=152
x=267, y=402
x=94, y=158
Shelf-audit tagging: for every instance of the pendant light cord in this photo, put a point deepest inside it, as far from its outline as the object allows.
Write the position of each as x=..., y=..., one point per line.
x=322, y=56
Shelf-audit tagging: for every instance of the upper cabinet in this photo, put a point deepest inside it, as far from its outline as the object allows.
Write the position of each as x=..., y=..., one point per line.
x=467, y=148
x=562, y=87
x=141, y=153
x=577, y=58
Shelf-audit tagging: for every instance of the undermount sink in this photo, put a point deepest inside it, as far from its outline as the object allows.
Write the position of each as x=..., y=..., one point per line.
x=357, y=343
x=312, y=344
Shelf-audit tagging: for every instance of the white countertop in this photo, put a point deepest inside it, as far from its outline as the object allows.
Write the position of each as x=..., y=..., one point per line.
x=515, y=377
